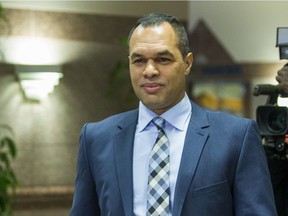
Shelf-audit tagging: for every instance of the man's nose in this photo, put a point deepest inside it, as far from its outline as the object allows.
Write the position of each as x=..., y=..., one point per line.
x=150, y=69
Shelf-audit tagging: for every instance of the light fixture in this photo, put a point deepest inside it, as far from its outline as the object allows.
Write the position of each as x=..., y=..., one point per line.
x=282, y=42
x=37, y=81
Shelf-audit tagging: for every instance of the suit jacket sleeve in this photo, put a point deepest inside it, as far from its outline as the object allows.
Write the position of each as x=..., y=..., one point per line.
x=85, y=200
x=252, y=190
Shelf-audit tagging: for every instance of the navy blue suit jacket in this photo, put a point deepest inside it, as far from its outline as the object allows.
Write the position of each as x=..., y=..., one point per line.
x=223, y=170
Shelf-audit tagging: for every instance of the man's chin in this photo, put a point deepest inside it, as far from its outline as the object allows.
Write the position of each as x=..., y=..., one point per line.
x=154, y=105
x=151, y=101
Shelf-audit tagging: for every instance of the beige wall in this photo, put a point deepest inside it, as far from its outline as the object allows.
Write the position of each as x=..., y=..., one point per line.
x=246, y=28
x=47, y=133
x=118, y=7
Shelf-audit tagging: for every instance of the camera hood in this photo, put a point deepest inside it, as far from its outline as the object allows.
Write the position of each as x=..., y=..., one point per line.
x=272, y=120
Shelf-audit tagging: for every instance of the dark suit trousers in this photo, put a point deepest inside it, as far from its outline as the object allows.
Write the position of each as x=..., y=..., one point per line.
x=279, y=175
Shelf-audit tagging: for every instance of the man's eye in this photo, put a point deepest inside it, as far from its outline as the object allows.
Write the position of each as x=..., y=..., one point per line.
x=138, y=61
x=163, y=60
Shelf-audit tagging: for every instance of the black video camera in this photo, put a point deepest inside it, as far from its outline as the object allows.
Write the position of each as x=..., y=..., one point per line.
x=271, y=118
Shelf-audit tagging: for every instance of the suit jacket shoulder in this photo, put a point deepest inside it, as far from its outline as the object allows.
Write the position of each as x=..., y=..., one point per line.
x=214, y=120
x=106, y=127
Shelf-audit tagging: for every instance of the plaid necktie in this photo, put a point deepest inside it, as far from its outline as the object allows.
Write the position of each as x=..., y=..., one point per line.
x=158, y=180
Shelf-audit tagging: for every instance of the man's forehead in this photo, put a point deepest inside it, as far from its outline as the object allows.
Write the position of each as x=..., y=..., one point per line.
x=153, y=40
x=157, y=29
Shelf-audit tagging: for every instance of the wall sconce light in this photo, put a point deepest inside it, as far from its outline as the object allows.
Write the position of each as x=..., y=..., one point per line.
x=37, y=81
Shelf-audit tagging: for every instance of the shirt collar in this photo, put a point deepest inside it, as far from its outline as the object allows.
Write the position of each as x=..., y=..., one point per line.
x=176, y=116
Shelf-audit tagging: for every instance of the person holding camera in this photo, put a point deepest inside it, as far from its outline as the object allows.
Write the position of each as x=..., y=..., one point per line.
x=279, y=168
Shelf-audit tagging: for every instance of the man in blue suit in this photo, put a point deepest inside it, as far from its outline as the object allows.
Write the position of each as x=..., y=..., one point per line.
x=217, y=166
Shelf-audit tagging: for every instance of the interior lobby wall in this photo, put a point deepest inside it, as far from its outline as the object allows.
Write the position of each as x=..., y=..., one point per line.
x=47, y=132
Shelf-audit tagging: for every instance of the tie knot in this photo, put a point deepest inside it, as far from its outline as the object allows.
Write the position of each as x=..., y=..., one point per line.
x=159, y=122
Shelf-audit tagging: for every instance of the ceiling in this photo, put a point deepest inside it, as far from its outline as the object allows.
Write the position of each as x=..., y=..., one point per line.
x=246, y=28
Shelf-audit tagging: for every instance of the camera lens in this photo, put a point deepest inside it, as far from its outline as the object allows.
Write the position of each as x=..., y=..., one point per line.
x=277, y=121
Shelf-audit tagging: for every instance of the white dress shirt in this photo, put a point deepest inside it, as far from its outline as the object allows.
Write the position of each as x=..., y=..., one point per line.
x=177, y=120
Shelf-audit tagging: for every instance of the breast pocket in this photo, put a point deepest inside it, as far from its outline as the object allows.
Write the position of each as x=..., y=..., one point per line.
x=211, y=189
x=215, y=199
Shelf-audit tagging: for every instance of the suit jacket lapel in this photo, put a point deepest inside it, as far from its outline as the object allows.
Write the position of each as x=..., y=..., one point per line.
x=123, y=145
x=195, y=141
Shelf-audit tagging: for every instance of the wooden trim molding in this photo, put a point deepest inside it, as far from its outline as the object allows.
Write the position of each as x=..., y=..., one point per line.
x=26, y=198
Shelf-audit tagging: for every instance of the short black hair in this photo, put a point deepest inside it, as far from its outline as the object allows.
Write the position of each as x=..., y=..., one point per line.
x=153, y=19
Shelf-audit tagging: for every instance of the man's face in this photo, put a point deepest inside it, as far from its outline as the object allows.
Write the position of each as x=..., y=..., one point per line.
x=157, y=68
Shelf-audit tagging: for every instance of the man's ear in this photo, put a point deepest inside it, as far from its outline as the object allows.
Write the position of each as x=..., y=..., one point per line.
x=188, y=62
